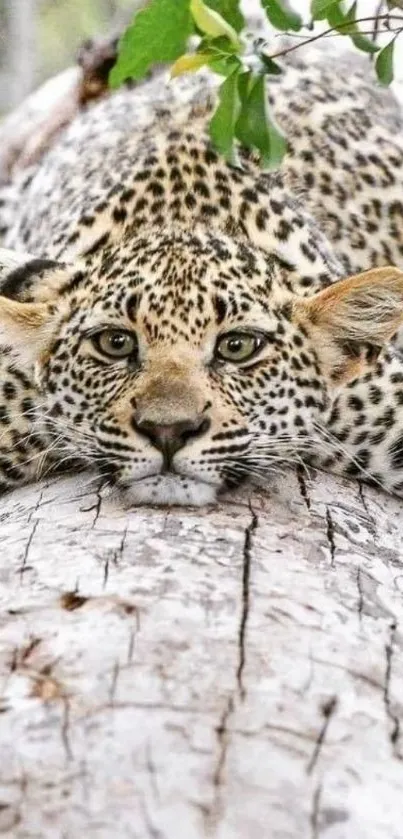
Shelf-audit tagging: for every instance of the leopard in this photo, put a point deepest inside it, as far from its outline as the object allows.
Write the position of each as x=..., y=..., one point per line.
x=183, y=324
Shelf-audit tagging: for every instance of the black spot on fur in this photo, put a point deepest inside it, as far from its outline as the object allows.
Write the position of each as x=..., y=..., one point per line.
x=220, y=309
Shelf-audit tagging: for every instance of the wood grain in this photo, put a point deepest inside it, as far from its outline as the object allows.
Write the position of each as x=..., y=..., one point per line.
x=235, y=672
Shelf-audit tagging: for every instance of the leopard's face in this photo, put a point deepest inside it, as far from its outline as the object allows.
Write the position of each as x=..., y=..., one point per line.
x=180, y=364
x=183, y=372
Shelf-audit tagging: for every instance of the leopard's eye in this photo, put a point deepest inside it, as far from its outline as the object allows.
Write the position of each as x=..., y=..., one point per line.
x=237, y=346
x=115, y=343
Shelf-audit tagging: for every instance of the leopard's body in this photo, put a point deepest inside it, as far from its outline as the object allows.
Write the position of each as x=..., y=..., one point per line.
x=160, y=237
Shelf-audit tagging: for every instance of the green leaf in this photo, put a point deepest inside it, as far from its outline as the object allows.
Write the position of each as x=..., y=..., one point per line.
x=189, y=63
x=278, y=145
x=384, y=63
x=224, y=65
x=230, y=11
x=337, y=18
x=281, y=15
x=364, y=44
x=211, y=23
x=346, y=24
x=222, y=123
x=159, y=33
x=252, y=120
x=223, y=55
x=320, y=8
x=246, y=81
x=271, y=67
x=253, y=127
x=219, y=46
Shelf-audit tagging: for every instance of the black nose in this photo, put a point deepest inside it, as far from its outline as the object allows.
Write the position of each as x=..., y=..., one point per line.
x=170, y=438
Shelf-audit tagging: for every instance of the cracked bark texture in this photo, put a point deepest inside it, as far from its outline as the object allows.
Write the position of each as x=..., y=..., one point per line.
x=234, y=672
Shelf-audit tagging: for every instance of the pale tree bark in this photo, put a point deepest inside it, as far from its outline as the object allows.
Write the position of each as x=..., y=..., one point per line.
x=234, y=672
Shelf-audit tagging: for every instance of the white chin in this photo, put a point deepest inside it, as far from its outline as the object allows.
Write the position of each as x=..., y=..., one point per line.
x=169, y=490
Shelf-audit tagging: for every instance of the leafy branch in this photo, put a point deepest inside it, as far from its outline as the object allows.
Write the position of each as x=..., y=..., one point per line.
x=162, y=31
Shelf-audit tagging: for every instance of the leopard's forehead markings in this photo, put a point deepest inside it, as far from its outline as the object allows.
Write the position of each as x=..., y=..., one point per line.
x=176, y=286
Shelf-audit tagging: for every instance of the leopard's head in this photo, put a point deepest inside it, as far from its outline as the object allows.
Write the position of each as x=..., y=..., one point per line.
x=180, y=364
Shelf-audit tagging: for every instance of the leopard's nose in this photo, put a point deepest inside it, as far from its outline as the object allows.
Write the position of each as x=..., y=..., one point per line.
x=170, y=438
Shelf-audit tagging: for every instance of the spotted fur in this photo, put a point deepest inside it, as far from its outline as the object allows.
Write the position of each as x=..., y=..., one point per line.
x=137, y=224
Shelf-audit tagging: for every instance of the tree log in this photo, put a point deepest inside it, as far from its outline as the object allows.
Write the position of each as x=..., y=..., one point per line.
x=234, y=672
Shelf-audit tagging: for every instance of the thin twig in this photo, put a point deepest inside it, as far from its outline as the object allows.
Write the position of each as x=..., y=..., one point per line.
x=305, y=39
x=377, y=21
x=334, y=29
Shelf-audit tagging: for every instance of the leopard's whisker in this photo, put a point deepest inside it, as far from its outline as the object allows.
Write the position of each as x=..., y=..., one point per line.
x=336, y=447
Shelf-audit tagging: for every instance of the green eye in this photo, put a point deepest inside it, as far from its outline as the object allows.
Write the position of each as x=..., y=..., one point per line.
x=237, y=346
x=115, y=343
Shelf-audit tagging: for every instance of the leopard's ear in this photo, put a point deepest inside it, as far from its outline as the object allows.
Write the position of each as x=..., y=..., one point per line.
x=26, y=330
x=30, y=300
x=350, y=321
x=23, y=275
